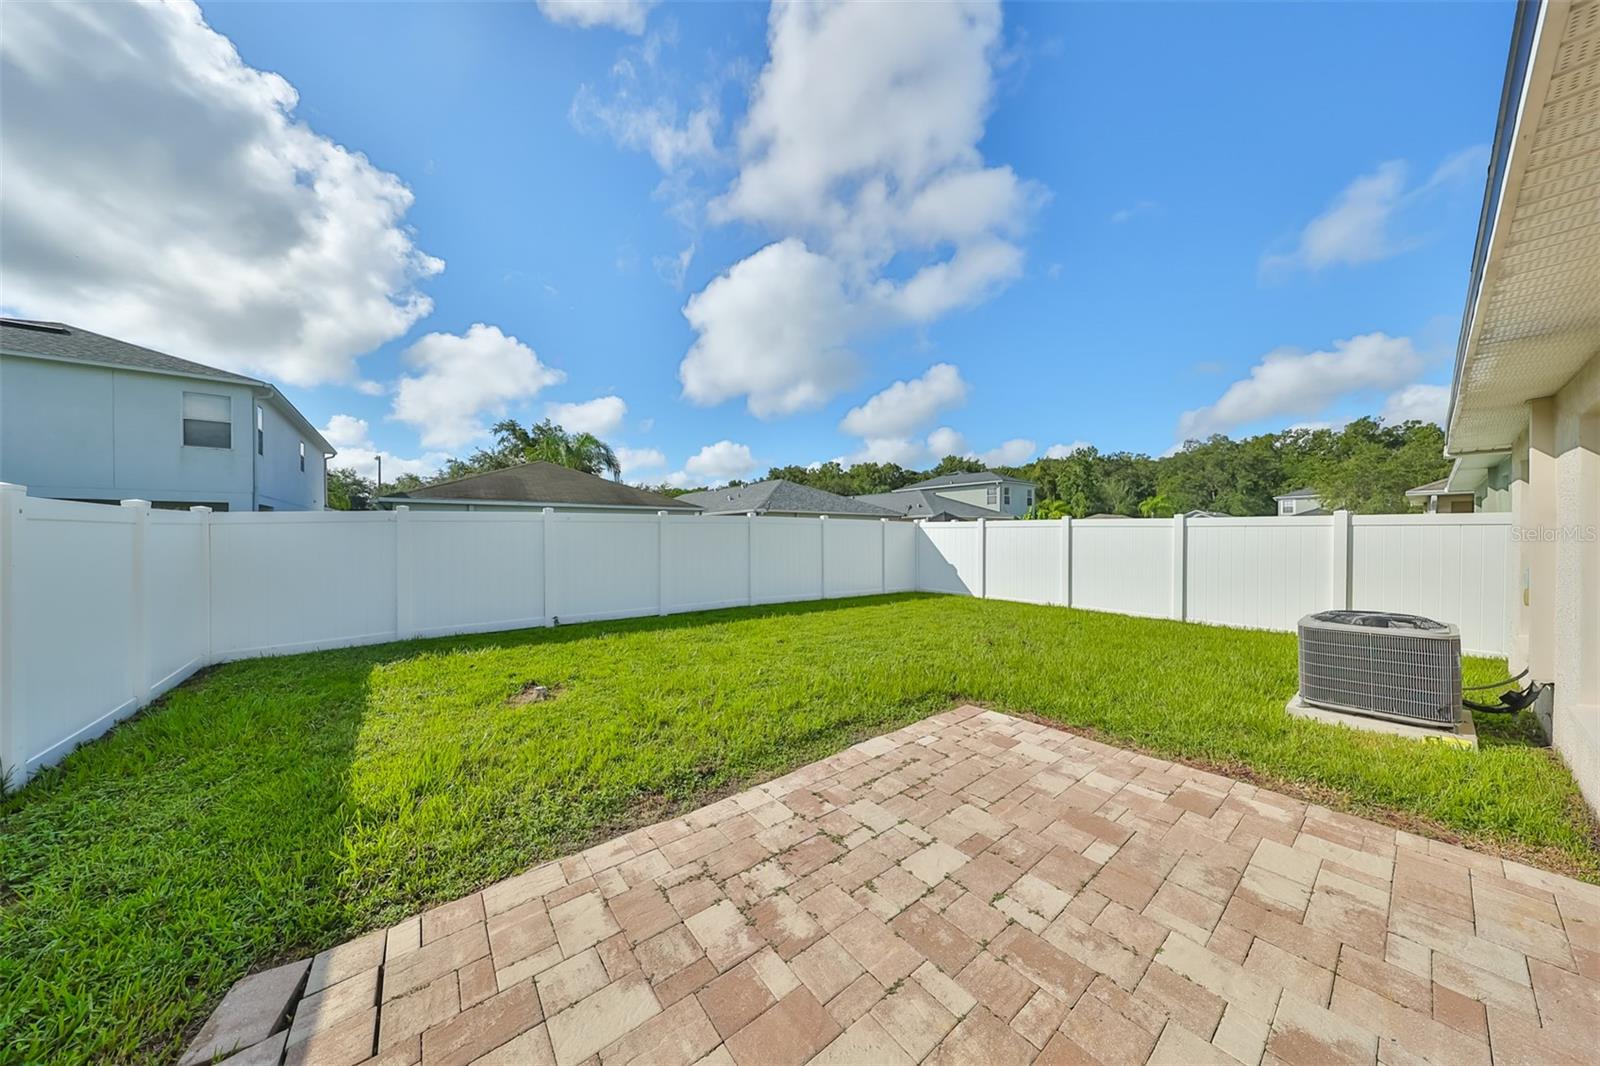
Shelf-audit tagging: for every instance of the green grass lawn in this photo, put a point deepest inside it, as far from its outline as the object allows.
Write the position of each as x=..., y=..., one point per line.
x=277, y=806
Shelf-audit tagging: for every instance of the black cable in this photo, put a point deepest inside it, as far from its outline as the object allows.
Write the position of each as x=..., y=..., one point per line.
x=1495, y=684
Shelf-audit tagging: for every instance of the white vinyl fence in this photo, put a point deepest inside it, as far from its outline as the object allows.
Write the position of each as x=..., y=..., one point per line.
x=104, y=608
x=1257, y=573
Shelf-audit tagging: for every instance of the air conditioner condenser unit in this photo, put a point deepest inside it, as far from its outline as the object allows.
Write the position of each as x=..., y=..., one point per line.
x=1398, y=666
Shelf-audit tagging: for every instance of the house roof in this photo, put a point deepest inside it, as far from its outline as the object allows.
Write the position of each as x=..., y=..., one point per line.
x=783, y=497
x=68, y=343
x=918, y=503
x=1297, y=494
x=1432, y=488
x=951, y=481
x=546, y=484
x=1533, y=300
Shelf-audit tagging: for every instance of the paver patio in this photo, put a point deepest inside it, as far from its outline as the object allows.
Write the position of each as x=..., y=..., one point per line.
x=973, y=888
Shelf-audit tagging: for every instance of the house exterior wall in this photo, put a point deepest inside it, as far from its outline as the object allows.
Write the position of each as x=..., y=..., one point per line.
x=1494, y=495
x=978, y=496
x=95, y=433
x=280, y=483
x=1555, y=624
x=81, y=432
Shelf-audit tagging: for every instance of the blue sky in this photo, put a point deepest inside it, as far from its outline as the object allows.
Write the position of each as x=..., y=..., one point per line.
x=1062, y=223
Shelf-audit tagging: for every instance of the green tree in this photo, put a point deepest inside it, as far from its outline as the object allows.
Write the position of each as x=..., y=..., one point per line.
x=348, y=490
x=549, y=443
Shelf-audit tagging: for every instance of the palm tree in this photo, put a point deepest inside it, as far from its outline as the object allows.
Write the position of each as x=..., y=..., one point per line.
x=549, y=443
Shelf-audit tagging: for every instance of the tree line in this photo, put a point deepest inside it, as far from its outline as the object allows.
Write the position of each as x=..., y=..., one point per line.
x=1365, y=466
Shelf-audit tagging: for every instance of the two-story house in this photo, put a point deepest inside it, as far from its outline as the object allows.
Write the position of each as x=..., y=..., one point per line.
x=1300, y=502
x=955, y=497
x=88, y=417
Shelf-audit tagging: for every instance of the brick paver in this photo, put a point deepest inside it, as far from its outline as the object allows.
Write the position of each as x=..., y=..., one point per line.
x=976, y=888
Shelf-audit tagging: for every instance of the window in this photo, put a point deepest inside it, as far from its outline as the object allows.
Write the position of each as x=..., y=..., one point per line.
x=1005, y=495
x=1288, y=507
x=207, y=421
x=302, y=457
x=261, y=433
x=1029, y=497
x=991, y=495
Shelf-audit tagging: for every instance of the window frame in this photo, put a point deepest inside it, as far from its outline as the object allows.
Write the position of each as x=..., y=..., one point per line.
x=302, y=457
x=261, y=431
x=185, y=419
x=991, y=495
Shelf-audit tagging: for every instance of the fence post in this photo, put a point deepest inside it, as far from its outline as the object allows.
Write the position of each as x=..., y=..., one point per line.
x=750, y=558
x=548, y=515
x=983, y=558
x=883, y=556
x=1339, y=559
x=822, y=556
x=12, y=772
x=405, y=600
x=139, y=623
x=1180, y=559
x=661, y=563
x=1065, y=598
x=204, y=514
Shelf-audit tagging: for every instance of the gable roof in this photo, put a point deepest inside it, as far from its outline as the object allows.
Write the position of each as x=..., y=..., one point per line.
x=1432, y=488
x=1297, y=494
x=783, y=497
x=72, y=344
x=544, y=484
x=56, y=340
x=951, y=481
x=917, y=503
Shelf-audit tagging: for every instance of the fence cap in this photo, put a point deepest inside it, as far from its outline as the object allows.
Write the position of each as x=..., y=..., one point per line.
x=142, y=504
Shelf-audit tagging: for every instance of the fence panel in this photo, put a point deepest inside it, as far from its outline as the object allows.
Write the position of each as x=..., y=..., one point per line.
x=1259, y=573
x=707, y=562
x=475, y=572
x=1455, y=567
x=294, y=581
x=900, y=556
x=1123, y=565
x=948, y=559
x=602, y=566
x=853, y=557
x=177, y=625
x=71, y=667
x=1023, y=561
x=788, y=559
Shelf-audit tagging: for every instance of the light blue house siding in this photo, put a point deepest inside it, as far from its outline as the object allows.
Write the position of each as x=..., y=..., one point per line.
x=85, y=432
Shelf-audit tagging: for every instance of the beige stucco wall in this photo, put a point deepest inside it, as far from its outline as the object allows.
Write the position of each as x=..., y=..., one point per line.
x=1555, y=495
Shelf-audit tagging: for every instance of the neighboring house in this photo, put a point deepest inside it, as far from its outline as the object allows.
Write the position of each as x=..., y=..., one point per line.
x=87, y=417
x=1436, y=498
x=780, y=497
x=1300, y=502
x=995, y=495
x=926, y=505
x=533, y=487
x=1524, y=418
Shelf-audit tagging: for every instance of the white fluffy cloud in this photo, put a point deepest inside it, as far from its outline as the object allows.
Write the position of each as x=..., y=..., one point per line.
x=1424, y=403
x=874, y=177
x=1061, y=451
x=636, y=460
x=352, y=437
x=1288, y=383
x=946, y=441
x=887, y=421
x=457, y=381
x=625, y=15
x=160, y=190
x=906, y=406
x=1013, y=452
x=1358, y=226
x=772, y=329
x=600, y=416
x=715, y=464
